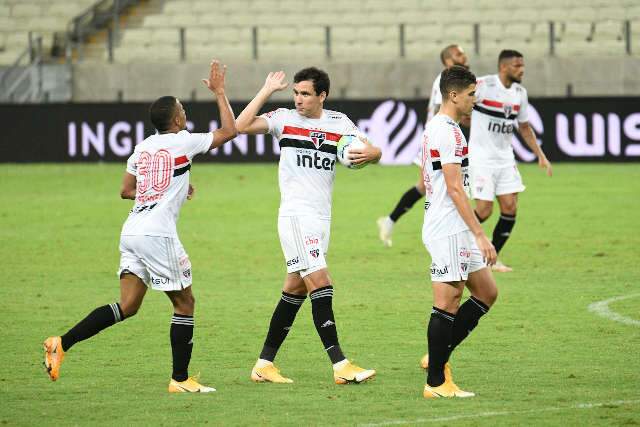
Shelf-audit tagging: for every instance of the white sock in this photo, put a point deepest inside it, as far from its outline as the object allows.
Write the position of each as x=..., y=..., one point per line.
x=388, y=221
x=261, y=363
x=341, y=364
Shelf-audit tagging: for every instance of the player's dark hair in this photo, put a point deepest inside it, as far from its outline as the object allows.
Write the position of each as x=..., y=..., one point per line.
x=162, y=112
x=508, y=54
x=455, y=78
x=446, y=52
x=319, y=78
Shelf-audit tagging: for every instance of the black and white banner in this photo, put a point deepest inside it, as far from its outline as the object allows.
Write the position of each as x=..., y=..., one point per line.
x=574, y=129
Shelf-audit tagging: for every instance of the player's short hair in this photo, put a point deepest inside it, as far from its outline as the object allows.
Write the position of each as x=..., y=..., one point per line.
x=446, y=52
x=319, y=78
x=508, y=54
x=162, y=111
x=455, y=78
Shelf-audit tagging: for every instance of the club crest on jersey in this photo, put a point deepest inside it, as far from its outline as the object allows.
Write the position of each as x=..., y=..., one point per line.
x=508, y=109
x=317, y=138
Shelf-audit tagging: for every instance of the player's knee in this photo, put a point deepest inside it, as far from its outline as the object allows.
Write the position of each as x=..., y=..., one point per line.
x=484, y=212
x=491, y=296
x=129, y=308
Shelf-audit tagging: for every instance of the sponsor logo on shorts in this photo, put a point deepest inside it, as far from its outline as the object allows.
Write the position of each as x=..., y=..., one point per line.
x=311, y=241
x=466, y=253
x=159, y=280
x=464, y=266
x=294, y=261
x=187, y=273
x=315, y=253
x=439, y=271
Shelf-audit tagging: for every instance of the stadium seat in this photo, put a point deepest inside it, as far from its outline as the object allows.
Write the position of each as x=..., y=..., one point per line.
x=25, y=10
x=578, y=48
x=176, y=6
x=460, y=33
x=579, y=31
x=517, y=31
x=226, y=51
x=608, y=30
x=157, y=21
x=198, y=35
x=136, y=37
x=424, y=33
x=165, y=37
x=582, y=14
x=423, y=51
x=490, y=33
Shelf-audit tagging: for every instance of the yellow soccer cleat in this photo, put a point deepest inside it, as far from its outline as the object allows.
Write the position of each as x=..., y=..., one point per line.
x=269, y=374
x=350, y=373
x=190, y=385
x=53, y=356
x=446, y=389
x=424, y=364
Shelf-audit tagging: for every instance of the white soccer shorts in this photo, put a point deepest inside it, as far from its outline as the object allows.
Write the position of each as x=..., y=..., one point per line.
x=161, y=262
x=454, y=257
x=487, y=183
x=305, y=242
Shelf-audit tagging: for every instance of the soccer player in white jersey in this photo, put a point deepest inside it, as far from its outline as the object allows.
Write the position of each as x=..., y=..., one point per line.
x=307, y=136
x=460, y=251
x=501, y=102
x=450, y=56
x=151, y=255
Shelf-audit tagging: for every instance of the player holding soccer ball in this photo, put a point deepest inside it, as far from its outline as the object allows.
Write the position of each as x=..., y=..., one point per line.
x=307, y=136
x=151, y=255
x=460, y=250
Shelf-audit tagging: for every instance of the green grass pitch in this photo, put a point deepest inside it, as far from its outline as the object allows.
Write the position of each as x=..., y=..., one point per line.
x=539, y=357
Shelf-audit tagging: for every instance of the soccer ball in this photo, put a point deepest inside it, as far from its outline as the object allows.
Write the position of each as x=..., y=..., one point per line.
x=345, y=144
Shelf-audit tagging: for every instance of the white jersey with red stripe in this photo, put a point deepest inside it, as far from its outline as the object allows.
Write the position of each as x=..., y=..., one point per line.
x=307, y=159
x=442, y=143
x=161, y=165
x=435, y=99
x=493, y=120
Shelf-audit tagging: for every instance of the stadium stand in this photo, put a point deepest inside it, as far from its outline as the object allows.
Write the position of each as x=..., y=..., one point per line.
x=370, y=29
x=41, y=17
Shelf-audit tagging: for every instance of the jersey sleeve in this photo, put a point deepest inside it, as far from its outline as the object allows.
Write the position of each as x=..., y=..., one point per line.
x=435, y=99
x=450, y=144
x=523, y=113
x=198, y=143
x=480, y=89
x=350, y=128
x=132, y=163
x=275, y=120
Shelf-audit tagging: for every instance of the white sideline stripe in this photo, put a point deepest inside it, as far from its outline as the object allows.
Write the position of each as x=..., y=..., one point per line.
x=601, y=308
x=501, y=413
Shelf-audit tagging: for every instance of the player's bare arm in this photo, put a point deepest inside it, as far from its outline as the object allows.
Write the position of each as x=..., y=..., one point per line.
x=248, y=121
x=128, y=189
x=453, y=179
x=530, y=138
x=368, y=154
x=215, y=83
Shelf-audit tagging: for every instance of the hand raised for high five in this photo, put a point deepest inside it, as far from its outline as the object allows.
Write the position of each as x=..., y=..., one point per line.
x=275, y=82
x=215, y=82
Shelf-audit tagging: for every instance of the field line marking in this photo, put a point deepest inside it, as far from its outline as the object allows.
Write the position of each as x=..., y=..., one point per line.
x=501, y=413
x=601, y=308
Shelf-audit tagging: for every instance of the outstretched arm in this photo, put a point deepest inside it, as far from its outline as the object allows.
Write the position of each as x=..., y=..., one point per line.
x=530, y=138
x=248, y=121
x=215, y=83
